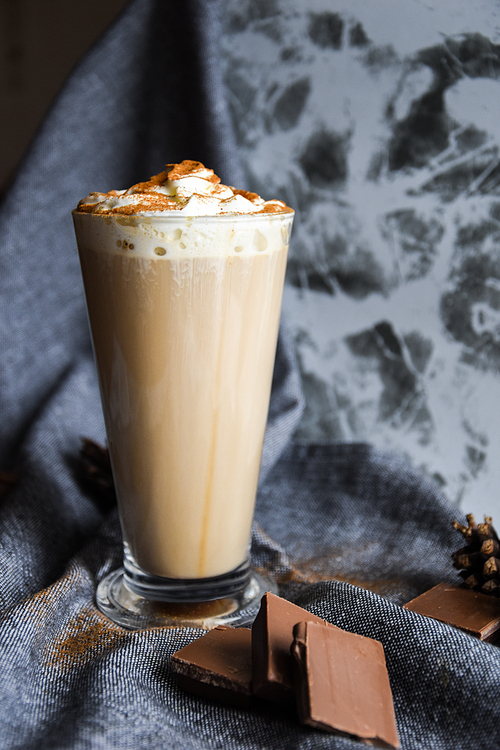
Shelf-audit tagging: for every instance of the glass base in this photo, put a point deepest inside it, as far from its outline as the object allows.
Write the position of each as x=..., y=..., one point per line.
x=183, y=590
x=125, y=607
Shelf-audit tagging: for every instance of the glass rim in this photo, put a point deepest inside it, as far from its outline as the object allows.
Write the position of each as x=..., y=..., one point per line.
x=167, y=216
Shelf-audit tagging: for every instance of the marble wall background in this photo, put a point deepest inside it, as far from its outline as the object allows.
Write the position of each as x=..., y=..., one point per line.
x=379, y=122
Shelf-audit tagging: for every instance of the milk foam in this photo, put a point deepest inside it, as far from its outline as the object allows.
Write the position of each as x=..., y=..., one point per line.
x=187, y=188
x=169, y=236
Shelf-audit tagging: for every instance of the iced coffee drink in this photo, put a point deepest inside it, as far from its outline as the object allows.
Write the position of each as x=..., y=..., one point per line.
x=183, y=279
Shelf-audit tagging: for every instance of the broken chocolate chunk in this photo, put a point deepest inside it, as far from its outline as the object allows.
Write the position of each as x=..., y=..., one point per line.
x=470, y=611
x=217, y=666
x=272, y=636
x=342, y=685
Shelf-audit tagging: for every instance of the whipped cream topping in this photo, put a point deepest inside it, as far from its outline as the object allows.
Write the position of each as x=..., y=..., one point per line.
x=189, y=188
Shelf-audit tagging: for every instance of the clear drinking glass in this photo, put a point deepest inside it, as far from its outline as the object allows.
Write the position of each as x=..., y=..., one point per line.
x=184, y=314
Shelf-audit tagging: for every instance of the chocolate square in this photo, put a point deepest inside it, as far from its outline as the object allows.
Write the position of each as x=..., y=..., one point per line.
x=475, y=613
x=342, y=684
x=217, y=666
x=272, y=636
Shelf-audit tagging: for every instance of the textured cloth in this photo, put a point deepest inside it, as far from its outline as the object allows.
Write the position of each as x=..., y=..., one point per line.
x=152, y=91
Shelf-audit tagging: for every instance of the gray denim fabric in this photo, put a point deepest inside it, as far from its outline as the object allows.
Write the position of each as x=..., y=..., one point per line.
x=70, y=678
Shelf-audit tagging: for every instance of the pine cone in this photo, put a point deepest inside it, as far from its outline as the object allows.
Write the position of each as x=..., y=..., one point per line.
x=479, y=561
x=96, y=469
x=7, y=481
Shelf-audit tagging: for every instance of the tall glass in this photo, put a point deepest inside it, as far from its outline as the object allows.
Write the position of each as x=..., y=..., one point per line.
x=184, y=314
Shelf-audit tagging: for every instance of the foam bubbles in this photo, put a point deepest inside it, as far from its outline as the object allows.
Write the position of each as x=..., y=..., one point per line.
x=260, y=241
x=185, y=237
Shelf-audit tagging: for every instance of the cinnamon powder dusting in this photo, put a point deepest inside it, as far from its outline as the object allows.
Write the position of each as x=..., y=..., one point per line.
x=190, y=168
x=172, y=189
x=91, y=637
x=246, y=194
x=154, y=181
x=148, y=202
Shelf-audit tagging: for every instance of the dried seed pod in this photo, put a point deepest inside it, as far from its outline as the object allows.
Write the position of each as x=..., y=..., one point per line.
x=491, y=568
x=7, y=482
x=479, y=561
x=467, y=559
x=95, y=469
x=490, y=547
x=469, y=531
x=491, y=587
x=489, y=522
x=471, y=582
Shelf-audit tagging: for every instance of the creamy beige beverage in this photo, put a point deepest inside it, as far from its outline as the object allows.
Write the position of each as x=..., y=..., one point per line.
x=184, y=311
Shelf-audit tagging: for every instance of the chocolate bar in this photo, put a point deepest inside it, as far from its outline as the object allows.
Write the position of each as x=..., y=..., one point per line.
x=272, y=636
x=470, y=611
x=217, y=666
x=342, y=685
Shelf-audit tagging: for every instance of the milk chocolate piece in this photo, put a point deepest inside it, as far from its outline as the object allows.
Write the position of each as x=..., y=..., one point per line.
x=342, y=685
x=218, y=666
x=272, y=636
x=470, y=611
